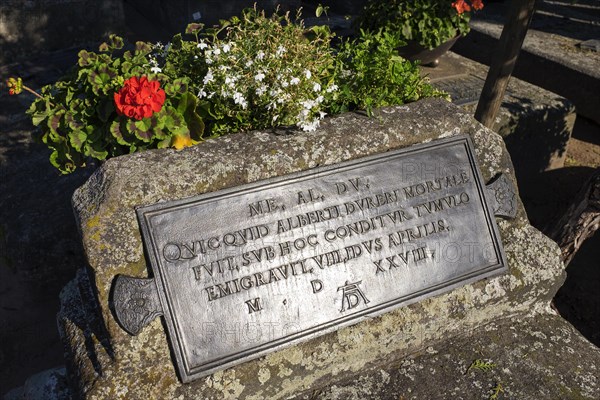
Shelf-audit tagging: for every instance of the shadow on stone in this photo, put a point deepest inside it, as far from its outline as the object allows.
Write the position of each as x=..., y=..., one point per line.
x=550, y=145
x=546, y=197
x=79, y=315
x=577, y=300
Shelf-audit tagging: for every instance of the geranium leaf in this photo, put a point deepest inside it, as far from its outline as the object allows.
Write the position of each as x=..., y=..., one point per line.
x=194, y=28
x=77, y=138
x=116, y=42
x=97, y=153
x=105, y=108
x=71, y=121
x=195, y=125
x=61, y=159
x=125, y=67
x=165, y=143
x=143, y=47
x=86, y=58
x=54, y=159
x=186, y=100
x=181, y=141
x=38, y=117
x=118, y=133
x=143, y=130
x=54, y=121
x=181, y=130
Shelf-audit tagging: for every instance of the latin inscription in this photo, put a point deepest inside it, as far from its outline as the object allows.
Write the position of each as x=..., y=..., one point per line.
x=407, y=222
x=319, y=250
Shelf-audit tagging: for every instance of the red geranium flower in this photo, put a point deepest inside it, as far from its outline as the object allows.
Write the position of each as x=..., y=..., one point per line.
x=461, y=6
x=139, y=98
x=477, y=4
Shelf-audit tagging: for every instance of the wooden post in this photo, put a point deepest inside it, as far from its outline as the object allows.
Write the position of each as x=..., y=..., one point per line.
x=503, y=61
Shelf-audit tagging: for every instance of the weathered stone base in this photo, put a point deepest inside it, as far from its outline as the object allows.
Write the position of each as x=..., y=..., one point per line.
x=107, y=363
x=539, y=356
x=536, y=356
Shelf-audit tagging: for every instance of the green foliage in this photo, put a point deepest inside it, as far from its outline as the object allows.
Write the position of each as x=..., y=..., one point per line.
x=427, y=22
x=249, y=72
x=481, y=365
x=371, y=74
x=255, y=71
x=495, y=391
x=77, y=114
x=485, y=366
x=320, y=10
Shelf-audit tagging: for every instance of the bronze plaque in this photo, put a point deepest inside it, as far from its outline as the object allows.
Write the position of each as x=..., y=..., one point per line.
x=244, y=271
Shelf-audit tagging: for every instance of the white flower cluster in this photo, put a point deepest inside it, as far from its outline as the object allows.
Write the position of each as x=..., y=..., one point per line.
x=269, y=84
x=158, y=51
x=154, y=68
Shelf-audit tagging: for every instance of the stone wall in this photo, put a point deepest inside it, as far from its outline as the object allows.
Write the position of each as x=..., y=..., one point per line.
x=33, y=26
x=174, y=15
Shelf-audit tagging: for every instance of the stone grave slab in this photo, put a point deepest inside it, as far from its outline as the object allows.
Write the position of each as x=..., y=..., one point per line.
x=535, y=123
x=104, y=361
x=537, y=356
x=464, y=89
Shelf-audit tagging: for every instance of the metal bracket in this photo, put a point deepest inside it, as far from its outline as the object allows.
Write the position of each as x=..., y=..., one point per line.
x=503, y=197
x=136, y=302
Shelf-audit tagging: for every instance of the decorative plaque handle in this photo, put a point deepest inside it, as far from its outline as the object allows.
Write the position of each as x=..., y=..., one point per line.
x=503, y=197
x=136, y=302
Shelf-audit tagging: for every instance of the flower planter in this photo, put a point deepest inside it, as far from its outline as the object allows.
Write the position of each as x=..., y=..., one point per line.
x=413, y=51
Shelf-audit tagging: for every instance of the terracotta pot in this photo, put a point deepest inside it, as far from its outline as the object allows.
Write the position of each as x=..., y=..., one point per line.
x=413, y=51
